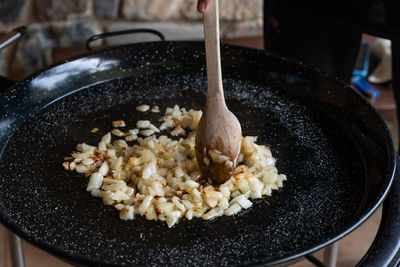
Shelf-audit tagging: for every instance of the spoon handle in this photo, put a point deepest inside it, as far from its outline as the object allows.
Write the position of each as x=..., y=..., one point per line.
x=213, y=58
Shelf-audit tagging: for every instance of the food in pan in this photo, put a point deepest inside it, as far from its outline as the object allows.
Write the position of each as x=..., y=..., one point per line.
x=156, y=174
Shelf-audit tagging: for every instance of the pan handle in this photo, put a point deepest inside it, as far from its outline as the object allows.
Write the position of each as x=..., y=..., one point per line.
x=385, y=250
x=6, y=40
x=9, y=38
x=116, y=33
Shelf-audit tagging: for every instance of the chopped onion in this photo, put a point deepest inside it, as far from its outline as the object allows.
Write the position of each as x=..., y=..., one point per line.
x=159, y=178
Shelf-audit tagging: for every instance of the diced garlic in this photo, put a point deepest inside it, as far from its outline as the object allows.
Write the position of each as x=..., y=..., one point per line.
x=143, y=108
x=134, y=131
x=95, y=181
x=189, y=214
x=81, y=168
x=149, y=170
x=154, y=128
x=232, y=210
x=111, y=153
x=143, y=124
x=103, y=170
x=87, y=161
x=243, y=185
x=179, y=173
x=191, y=184
x=119, y=196
x=106, y=138
x=188, y=205
x=242, y=201
x=127, y=213
x=178, y=204
x=217, y=212
x=117, y=132
x=119, y=123
x=86, y=148
x=131, y=138
x=98, y=193
x=155, y=109
x=147, y=132
x=165, y=125
x=177, y=131
x=119, y=206
x=102, y=146
x=172, y=219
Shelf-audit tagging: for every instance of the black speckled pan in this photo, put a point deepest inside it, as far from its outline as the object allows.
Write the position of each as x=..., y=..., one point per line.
x=334, y=148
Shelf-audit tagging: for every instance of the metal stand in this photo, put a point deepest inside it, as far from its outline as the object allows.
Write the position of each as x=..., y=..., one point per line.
x=17, y=250
x=396, y=80
x=331, y=254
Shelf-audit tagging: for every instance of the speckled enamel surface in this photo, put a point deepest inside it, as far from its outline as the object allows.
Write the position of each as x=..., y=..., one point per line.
x=335, y=150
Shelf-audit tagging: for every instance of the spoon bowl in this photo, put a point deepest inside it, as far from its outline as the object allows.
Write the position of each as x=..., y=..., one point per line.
x=218, y=142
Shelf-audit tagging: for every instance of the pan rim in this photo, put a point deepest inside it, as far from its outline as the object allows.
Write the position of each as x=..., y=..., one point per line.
x=349, y=228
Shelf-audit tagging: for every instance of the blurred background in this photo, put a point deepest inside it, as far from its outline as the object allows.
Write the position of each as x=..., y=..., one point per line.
x=60, y=24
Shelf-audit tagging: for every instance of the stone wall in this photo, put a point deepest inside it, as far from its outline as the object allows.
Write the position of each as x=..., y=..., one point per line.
x=68, y=23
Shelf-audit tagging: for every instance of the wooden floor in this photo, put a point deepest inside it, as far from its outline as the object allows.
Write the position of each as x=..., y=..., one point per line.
x=351, y=248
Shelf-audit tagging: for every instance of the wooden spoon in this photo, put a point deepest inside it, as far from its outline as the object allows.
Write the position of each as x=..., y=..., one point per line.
x=219, y=135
